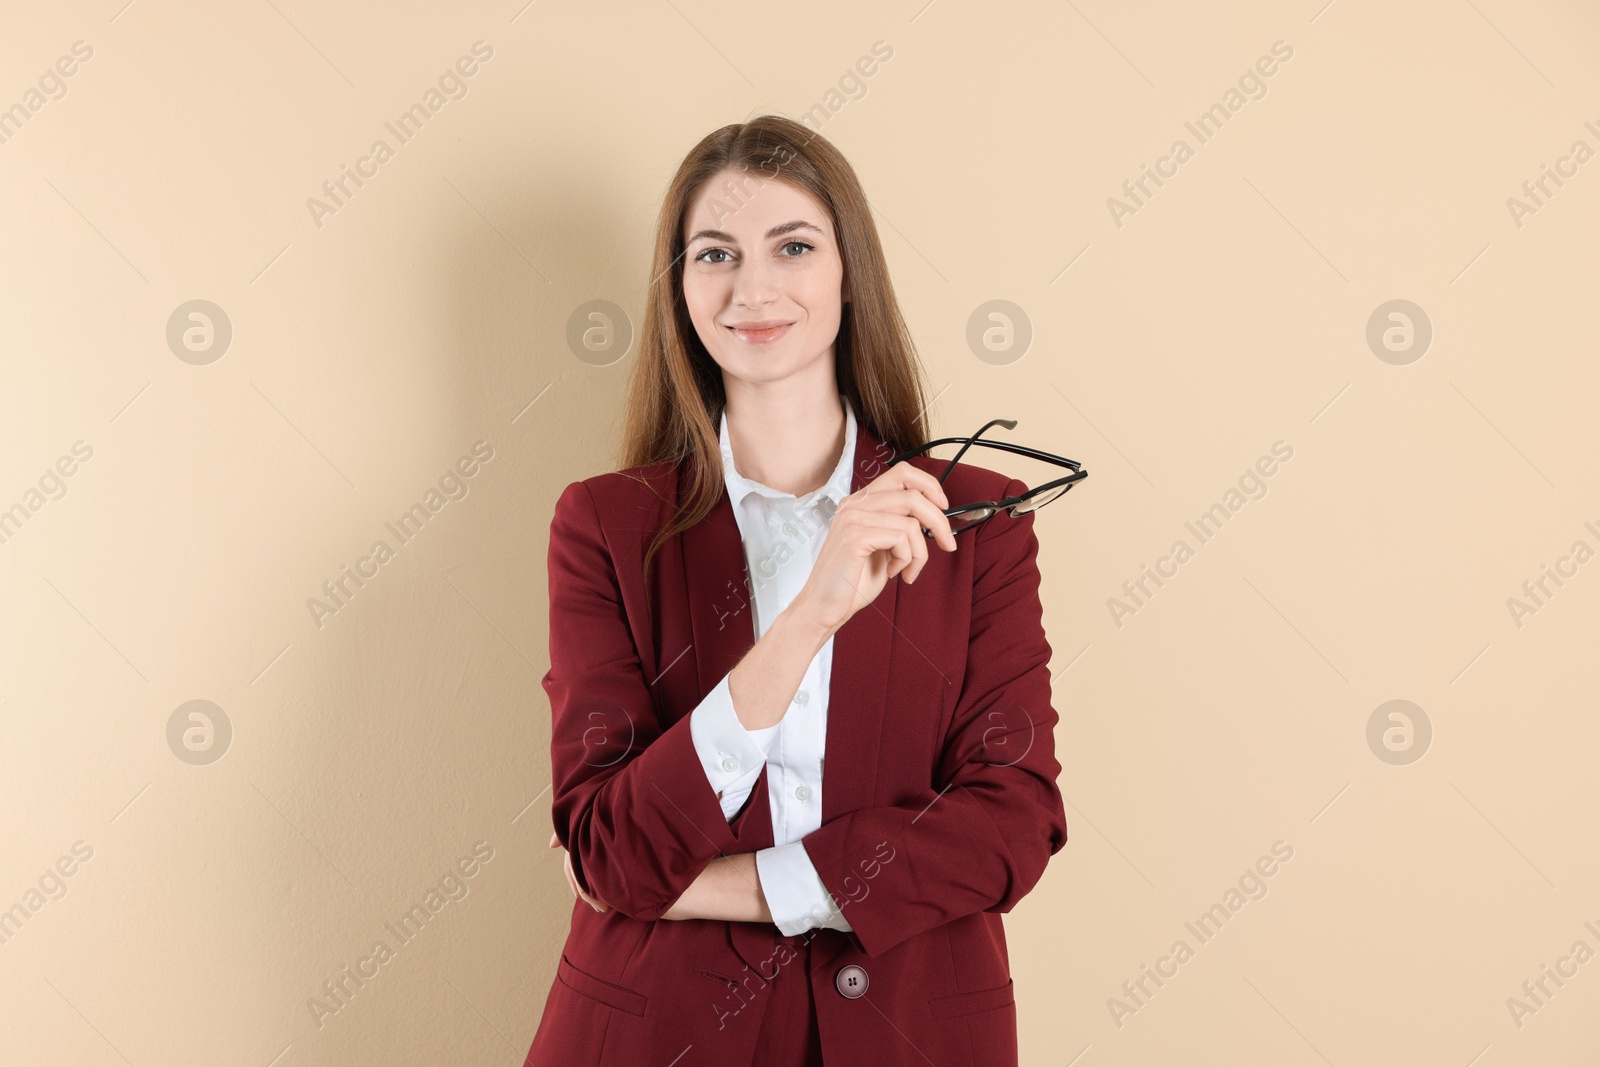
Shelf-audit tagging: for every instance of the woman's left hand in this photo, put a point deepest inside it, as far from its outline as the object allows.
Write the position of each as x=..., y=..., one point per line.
x=572, y=880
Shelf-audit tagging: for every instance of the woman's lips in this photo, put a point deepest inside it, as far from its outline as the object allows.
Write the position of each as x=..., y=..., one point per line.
x=761, y=336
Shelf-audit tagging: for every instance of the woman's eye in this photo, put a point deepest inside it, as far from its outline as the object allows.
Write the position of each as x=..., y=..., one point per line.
x=706, y=256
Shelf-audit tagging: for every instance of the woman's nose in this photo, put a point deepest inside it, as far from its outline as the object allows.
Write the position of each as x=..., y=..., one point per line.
x=754, y=284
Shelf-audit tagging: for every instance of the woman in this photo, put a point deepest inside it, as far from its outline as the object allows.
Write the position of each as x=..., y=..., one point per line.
x=724, y=624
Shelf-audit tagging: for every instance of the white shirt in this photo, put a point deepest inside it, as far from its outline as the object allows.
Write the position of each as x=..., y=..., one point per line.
x=782, y=535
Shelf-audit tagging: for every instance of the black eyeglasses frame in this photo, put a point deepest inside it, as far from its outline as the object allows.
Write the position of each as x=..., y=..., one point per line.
x=991, y=508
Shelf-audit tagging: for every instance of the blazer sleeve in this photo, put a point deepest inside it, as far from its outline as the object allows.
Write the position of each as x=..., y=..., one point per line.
x=630, y=800
x=981, y=839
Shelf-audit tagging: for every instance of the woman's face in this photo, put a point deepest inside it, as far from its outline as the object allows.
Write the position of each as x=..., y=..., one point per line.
x=762, y=277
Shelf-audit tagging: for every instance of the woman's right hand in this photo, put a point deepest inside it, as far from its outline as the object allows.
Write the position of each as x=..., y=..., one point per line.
x=875, y=534
x=572, y=880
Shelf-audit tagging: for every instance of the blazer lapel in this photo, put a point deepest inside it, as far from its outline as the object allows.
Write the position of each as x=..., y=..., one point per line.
x=722, y=630
x=859, y=683
x=857, y=692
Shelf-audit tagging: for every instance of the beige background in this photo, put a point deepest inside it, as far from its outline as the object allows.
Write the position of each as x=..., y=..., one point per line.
x=430, y=312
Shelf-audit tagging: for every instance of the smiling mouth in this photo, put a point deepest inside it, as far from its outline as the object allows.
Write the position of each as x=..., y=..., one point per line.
x=761, y=336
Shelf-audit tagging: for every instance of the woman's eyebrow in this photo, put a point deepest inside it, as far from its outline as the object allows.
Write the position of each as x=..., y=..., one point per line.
x=776, y=231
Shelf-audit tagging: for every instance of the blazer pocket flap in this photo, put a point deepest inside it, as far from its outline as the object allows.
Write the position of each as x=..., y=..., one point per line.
x=957, y=1004
x=599, y=989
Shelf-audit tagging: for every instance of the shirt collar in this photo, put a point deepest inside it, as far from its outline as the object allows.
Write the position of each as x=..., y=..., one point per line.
x=835, y=489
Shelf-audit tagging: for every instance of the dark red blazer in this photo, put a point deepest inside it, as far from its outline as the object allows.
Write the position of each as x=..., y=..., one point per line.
x=940, y=804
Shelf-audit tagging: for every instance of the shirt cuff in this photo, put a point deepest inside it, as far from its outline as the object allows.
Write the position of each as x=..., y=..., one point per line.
x=730, y=754
x=794, y=891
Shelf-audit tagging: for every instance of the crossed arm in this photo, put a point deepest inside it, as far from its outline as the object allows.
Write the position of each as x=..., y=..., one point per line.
x=647, y=835
x=728, y=889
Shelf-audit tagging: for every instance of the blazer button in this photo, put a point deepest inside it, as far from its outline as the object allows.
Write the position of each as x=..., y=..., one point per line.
x=851, y=981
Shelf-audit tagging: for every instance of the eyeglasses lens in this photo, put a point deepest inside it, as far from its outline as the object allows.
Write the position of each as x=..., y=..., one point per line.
x=970, y=517
x=1039, y=500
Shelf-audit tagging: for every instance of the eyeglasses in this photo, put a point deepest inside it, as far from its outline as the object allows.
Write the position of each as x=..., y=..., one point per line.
x=971, y=516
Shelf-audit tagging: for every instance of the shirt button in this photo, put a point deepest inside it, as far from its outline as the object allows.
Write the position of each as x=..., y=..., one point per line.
x=730, y=764
x=802, y=792
x=851, y=981
x=801, y=697
x=789, y=528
